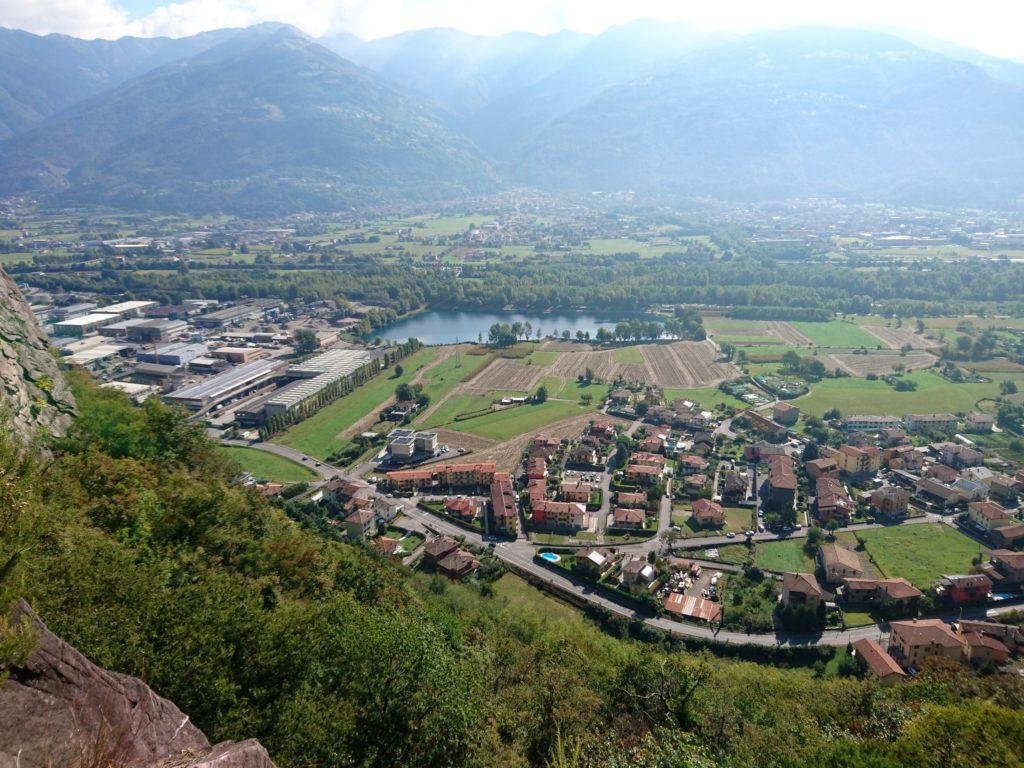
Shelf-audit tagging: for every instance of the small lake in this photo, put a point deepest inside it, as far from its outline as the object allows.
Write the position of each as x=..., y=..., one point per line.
x=440, y=327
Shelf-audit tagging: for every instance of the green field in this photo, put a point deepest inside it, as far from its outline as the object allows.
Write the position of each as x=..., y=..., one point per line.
x=785, y=555
x=933, y=394
x=836, y=333
x=268, y=466
x=512, y=422
x=737, y=519
x=708, y=397
x=920, y=553
x=544, y=357
x=442, y=378
x=628, y=355
x=318, y=435
x=519, y=593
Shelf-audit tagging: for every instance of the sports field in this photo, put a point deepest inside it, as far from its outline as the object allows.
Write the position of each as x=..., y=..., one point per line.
x=920, y=553
x=318, y=435
x=268, y=466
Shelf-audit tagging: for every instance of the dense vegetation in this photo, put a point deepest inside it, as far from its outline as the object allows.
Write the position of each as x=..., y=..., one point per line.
x=133, y=545
x=743, y=277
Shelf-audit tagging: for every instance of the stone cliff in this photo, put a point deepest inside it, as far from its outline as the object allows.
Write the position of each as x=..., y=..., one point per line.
x=35, y=395
x=59, y=710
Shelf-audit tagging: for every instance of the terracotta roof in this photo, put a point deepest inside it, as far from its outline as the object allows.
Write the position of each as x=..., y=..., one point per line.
x=926, y=632
x=989, y=510
x=876, y=659
x=804, y=583
x=1008, y=556
x=626, y=515
x=627, y=499
x=707, y=509
x=440, y=546
x=899, y=589
x=360, y=516
x=979, y=640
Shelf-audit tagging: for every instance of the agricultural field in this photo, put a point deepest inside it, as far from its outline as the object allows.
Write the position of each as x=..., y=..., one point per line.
x=897, y=338
x=789, y=334
x=511, y=375
x=268, y=466
x=319, y=435
x=920, y=553
x=836, y=333
x=685, y=364
x=627, y=355
x=878, y=363
x=933, y=394
x=512, y=422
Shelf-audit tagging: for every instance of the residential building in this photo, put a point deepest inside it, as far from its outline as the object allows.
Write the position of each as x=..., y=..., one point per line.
x=635, y=500
x=831, y=502
x=781, y=485
x=987, y=515
x=735, y=485
x=694, y=484
x=438, y=548
x=801, y=589
x=858, y=462
x=905, y=457
x=624, y=517
x=785, y=414
x=586, y=455
x=1005, y=568
x=457, y=564
x=869, y=423
x=979, y=422
x=536, y=469
x=821, y=468
x=559, y=514
x=638, y=574
x=1010, y=635
x=1003, y=487
x=688, y=465
x=641, y=473
x=1009, y=536
x=360, y=525
x=504, y=508
x=937, y=492
x=896, y=591
x=960, y=456
x=465, y=508
x=981, y=649
x=962, y=589
x=594, y=561
x=385, y=510
x=876, y=663
x=648, y=459
x=890, y=501
x=575, y=490
x=707, y=513
x=917, y=422
x=911, y=642
x=839, y=563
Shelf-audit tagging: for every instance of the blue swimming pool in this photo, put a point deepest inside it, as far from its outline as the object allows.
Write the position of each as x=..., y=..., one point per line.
x=551, y=557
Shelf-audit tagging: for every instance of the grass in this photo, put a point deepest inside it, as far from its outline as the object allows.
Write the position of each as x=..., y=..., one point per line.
x=442, y=378
x=519, y=593
x=512, y=422
x=268, y=466
x=785, y=555
x=836, y=333
x=920, y=553
x=627, y=355
x=933, y=394
x=318, y=435
x=737, y=520
x=708, y=397
x=544, y=356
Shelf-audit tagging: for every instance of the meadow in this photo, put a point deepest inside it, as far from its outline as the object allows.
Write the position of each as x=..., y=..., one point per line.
x=920, y=553
x=837, y=333
x=268, y=466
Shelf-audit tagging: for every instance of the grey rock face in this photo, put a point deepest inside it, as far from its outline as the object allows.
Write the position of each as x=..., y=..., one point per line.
x=32, y=389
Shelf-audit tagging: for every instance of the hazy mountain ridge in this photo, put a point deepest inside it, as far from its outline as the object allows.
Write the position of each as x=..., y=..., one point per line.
x=268, y=119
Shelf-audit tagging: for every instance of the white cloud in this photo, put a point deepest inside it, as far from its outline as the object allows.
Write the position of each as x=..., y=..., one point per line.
x=991, y=25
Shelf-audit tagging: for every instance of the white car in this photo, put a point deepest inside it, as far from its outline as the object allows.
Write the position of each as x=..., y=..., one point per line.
x=730, y=535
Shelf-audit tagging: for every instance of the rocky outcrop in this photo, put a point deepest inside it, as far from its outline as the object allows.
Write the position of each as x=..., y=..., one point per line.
x=60, y=710
x=34, y=392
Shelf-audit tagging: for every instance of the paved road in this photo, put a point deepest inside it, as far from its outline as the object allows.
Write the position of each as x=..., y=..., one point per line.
x=519, y=554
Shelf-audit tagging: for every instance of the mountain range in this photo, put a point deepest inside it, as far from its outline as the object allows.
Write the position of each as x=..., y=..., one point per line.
x=266, y=119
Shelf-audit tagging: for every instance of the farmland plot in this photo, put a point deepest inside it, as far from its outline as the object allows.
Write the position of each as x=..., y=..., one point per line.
x=574, y=364
x=880, y=364
x=685, y=364
x=788, y=334
x=505, y=374
x=896, y=338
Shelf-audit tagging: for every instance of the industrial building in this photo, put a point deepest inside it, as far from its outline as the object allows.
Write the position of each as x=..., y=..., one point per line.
x=150, y=331
x=314, y=376
x=173, y=354
x=240, y=380
x=128, y=309
x=120, y=328
x=82, y=325
x=223, y=317
x=74, y=310
x=405, y=445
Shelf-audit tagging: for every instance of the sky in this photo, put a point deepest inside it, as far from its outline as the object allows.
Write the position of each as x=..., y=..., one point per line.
x=993, y=26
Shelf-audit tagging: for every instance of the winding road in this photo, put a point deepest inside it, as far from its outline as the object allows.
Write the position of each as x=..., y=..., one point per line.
x=519, y=554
